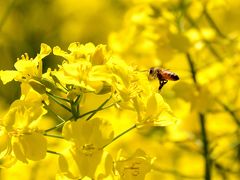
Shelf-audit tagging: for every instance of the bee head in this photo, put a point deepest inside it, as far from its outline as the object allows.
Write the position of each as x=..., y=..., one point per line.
x=152, y=73
x=151, y=70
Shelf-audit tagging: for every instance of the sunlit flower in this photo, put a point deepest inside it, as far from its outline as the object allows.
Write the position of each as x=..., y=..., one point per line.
x=135, y=167
x=86, y=156
x=19, y=133
x=124, y=80
x=154, y=111
x=84, y=67
x=26, y=68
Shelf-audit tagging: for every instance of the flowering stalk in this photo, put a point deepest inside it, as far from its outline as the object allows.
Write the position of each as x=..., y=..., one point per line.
x=89, y=72
x=205, y=147
x=212, y=23
x=202, y=123
x=208, y=44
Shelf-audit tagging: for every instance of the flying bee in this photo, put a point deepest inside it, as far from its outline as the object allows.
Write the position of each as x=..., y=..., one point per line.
x=162, y=75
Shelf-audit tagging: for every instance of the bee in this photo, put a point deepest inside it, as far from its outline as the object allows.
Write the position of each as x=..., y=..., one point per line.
x=163, y=75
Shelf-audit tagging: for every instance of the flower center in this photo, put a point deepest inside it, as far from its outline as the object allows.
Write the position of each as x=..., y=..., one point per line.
x=88, y=149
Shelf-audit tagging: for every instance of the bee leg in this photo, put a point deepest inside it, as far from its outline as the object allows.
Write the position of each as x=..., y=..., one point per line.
x=162, y=83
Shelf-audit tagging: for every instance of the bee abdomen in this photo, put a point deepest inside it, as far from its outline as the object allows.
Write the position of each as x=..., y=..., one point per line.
x=174, y=77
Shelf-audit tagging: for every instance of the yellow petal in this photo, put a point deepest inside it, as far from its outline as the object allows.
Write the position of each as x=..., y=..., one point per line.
x=99, y=56
x=30, y=146
x=7, y=161
x=4, y=141
x=153, y=104
x=35, y=146
x=7, y=76
x=45, y=50
x=19, y=150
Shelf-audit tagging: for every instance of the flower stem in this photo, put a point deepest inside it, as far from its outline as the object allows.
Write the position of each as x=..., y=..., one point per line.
x=202, y=124
x=205, y=147
x=53, y=152
x=96, y=110
x=55, y=127
x=49, y=109
x=53, y=136
x=118, y=136
x=58, y=97
x=208, y=44
x=93, y=112
x=77, y=102
x=74, y=110
x=192, y=68
x=213, y=24
x=58, y=102
x=231, y=112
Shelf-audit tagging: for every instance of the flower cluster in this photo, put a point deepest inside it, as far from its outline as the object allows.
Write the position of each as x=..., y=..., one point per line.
x=87, y=71
x=95, y=111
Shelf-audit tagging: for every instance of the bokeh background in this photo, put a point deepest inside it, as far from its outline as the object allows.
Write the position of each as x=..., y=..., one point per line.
x=197, y=39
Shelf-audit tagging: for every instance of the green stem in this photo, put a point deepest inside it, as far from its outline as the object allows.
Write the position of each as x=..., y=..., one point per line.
x=58, y=97
x=53, y=136
x=213, y=24
x=118, y=136
x=74, y=110
x=96, y=110
x=192, y=68
x=53, y=152
x=205, y=147
x=210, y=47
x=55, y=127
x=58, y=102
x=49, y=109
x=202, y=124
x=231, y=112
x=78, y=99
x=212, y=50
x=99, y=108
x=221, y=154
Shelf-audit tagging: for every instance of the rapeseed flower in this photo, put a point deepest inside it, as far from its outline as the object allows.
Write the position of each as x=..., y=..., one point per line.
x=26, y=68
x=20, y=136
x=85, y=156
x=134, y=167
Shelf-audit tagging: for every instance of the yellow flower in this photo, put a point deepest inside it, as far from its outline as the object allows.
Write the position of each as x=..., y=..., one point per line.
x=29, y=146
x=26, y=68
x=19, y=133
x=135, y=167
x=86, y=157
x=125, y=81
x=5, y=145
x=78, y=52
x=84, y=67
x=144, y=39
x=154, y=111
x=24, y=113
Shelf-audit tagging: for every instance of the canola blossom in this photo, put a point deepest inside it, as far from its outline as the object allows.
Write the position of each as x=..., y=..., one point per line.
x=86, y=70
x=94, y=110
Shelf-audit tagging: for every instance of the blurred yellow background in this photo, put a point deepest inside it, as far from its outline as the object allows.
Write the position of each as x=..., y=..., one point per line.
x=198, y=40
